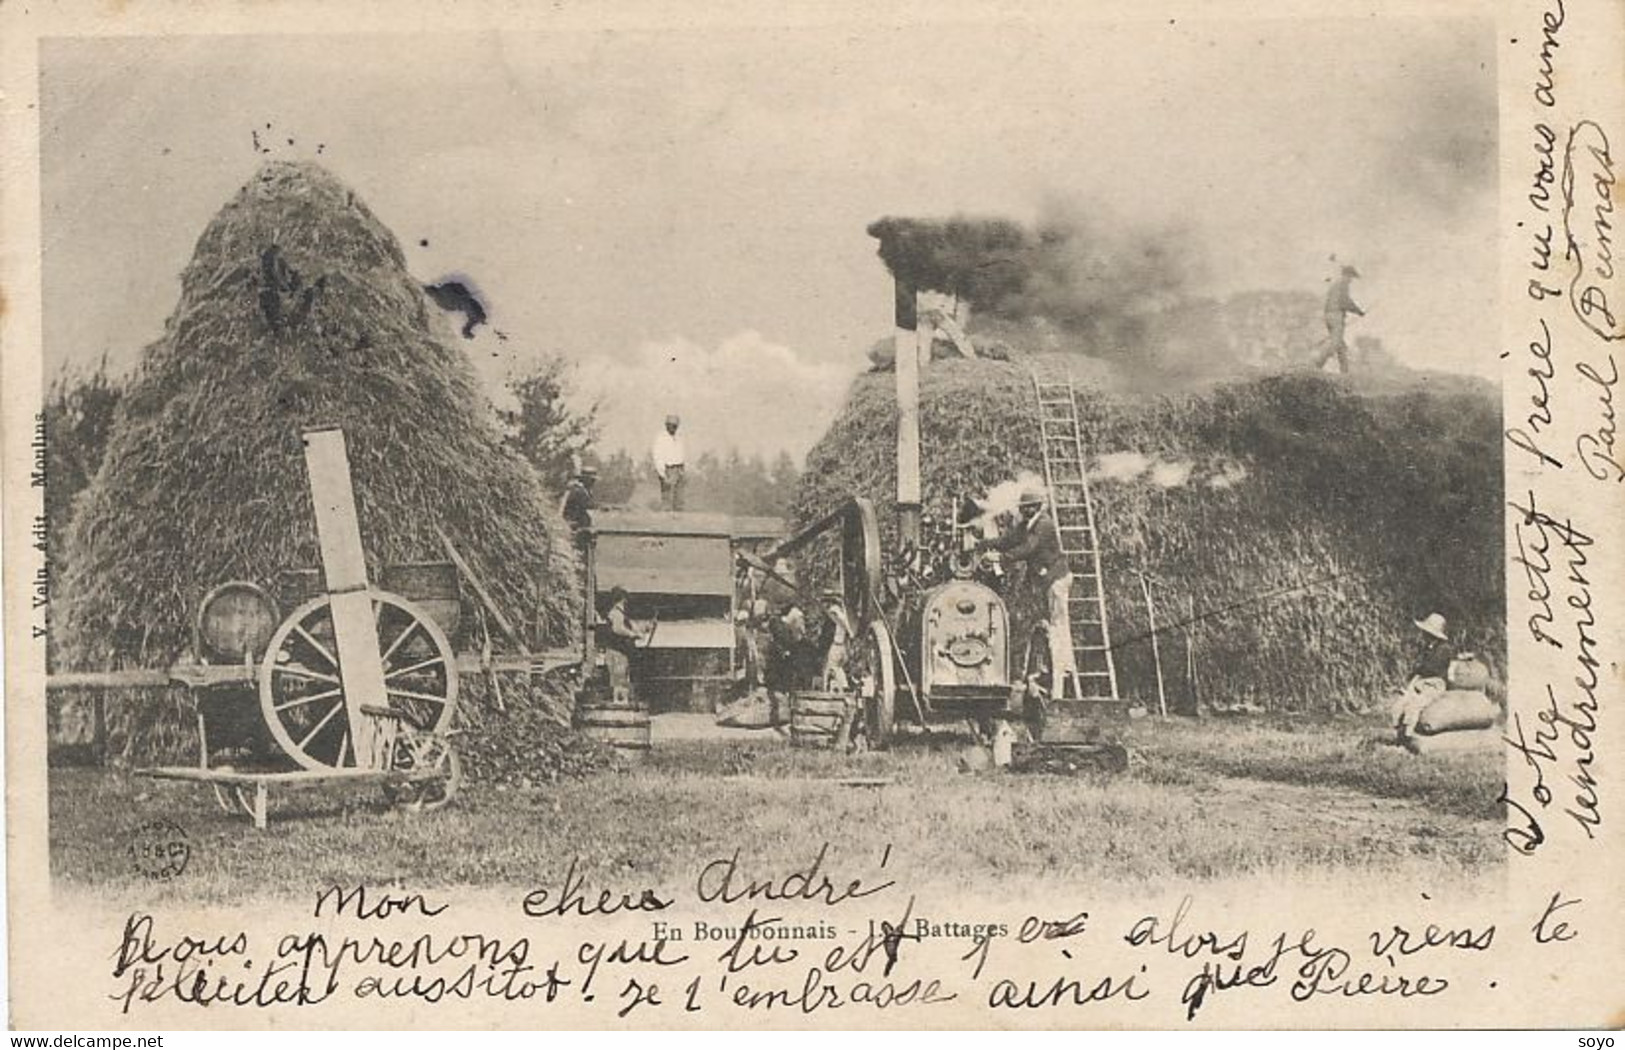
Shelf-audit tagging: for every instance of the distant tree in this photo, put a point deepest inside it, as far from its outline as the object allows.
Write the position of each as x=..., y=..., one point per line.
x=786, y=479
x=79, y=413
x=545, y=429
x=618, y=477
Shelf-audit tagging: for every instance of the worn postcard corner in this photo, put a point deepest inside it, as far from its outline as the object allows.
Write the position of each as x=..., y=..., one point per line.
x=942, y=515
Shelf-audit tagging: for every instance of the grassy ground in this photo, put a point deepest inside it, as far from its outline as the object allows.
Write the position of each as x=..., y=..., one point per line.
x=1203, y=800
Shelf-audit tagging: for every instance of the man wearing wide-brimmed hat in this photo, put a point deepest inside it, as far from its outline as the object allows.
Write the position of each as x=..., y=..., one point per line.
x=577, y=503
x=1034, y=540
x=1428, y=673
x=1339, y=304
x=1433, y=660
x=667, y=453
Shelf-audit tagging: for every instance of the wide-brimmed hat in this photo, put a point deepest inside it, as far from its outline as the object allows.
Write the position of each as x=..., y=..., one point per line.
x=1351, y=271
x=673, y=420
x=832, y=592
x=1433, y=624
x=1032, y=498
x=589, y=471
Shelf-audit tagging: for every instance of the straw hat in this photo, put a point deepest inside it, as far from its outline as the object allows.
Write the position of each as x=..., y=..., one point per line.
x=1434, y=625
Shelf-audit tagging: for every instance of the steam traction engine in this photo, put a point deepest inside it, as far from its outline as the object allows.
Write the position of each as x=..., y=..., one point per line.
x=931, y=638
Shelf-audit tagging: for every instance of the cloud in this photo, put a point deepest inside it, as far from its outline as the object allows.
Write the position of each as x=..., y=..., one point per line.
x=745, y=393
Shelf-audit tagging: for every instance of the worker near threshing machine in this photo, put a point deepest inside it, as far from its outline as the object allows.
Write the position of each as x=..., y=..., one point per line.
x=1035, y=541
x=787, y=652
x=1429, y=671
x=577, y=503
x=838, y=632
x=1339, y=304
x=619, y=636
x=667, y=453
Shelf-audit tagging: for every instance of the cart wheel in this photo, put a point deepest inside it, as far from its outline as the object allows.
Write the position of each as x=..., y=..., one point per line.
x=418, y=752
x=877, y=681
x=302, y=695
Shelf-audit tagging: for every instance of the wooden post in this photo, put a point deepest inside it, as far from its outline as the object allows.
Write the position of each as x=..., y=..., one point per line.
x=344, y=564
x=906, y=349
x=1190, y=656
x=1156, y=653
x=98, y=714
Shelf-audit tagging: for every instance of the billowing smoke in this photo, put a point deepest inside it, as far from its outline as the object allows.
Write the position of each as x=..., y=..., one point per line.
x=1004, y=498
x=1129, y=467
x=1115, y=293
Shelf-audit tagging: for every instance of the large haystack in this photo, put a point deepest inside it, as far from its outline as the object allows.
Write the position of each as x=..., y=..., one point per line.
x=1305, y=520
x=296, y=310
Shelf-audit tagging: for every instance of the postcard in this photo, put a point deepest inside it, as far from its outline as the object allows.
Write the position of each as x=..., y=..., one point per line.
x=782, y=516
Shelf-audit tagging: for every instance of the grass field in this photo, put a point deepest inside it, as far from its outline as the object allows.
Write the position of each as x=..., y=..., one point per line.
x=1202, y=800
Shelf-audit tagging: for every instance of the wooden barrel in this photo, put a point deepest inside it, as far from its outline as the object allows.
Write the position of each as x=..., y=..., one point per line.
x=235, y=621
x=624, y=728
x=816, y=719
x=432, y=585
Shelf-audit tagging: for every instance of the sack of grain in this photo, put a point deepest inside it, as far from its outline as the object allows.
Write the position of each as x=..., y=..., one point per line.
x=1457, y=709
x=1467, y=671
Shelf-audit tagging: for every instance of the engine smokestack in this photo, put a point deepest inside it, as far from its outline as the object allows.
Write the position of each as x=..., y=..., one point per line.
x=906, y=345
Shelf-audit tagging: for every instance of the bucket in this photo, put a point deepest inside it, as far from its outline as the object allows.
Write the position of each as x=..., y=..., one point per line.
x=624, y=728
x=816, y=719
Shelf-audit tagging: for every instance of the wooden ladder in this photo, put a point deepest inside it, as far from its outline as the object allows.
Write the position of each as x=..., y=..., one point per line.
x=1066, y=474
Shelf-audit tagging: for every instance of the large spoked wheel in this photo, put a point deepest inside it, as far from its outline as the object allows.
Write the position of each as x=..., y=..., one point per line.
x=876, y=679
x=302, y=694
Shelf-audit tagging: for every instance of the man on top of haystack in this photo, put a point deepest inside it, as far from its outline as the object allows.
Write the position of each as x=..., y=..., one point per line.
x=1034, y=540
x=577, y=503
x=1339, y=304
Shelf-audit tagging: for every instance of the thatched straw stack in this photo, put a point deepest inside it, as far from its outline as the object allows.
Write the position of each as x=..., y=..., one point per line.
x=1306, y=521
x=296, y=310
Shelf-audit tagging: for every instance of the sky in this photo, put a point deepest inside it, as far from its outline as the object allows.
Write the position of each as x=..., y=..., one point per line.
x=681, y=214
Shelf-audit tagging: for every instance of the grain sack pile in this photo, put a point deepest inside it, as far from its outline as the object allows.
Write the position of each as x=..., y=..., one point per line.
x=296, y=310
x=1303, y=521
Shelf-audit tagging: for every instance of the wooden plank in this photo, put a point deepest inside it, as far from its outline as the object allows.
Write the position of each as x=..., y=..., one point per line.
x=332, y=497
x=135, y=678
x=479, y=590
x=290, y=778
x=344, y=565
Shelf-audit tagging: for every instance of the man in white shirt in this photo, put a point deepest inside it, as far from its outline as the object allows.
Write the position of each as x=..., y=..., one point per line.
x=668, y=457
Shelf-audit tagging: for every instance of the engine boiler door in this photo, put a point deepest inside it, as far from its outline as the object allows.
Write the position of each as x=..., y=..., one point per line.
x=969, y=651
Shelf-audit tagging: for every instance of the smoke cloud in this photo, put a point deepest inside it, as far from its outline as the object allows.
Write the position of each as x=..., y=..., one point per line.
x=1124, y=468
x=1005, y=498
x=1114, y=292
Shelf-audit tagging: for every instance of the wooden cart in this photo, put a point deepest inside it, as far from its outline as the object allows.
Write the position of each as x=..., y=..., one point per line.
x=356, y=686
